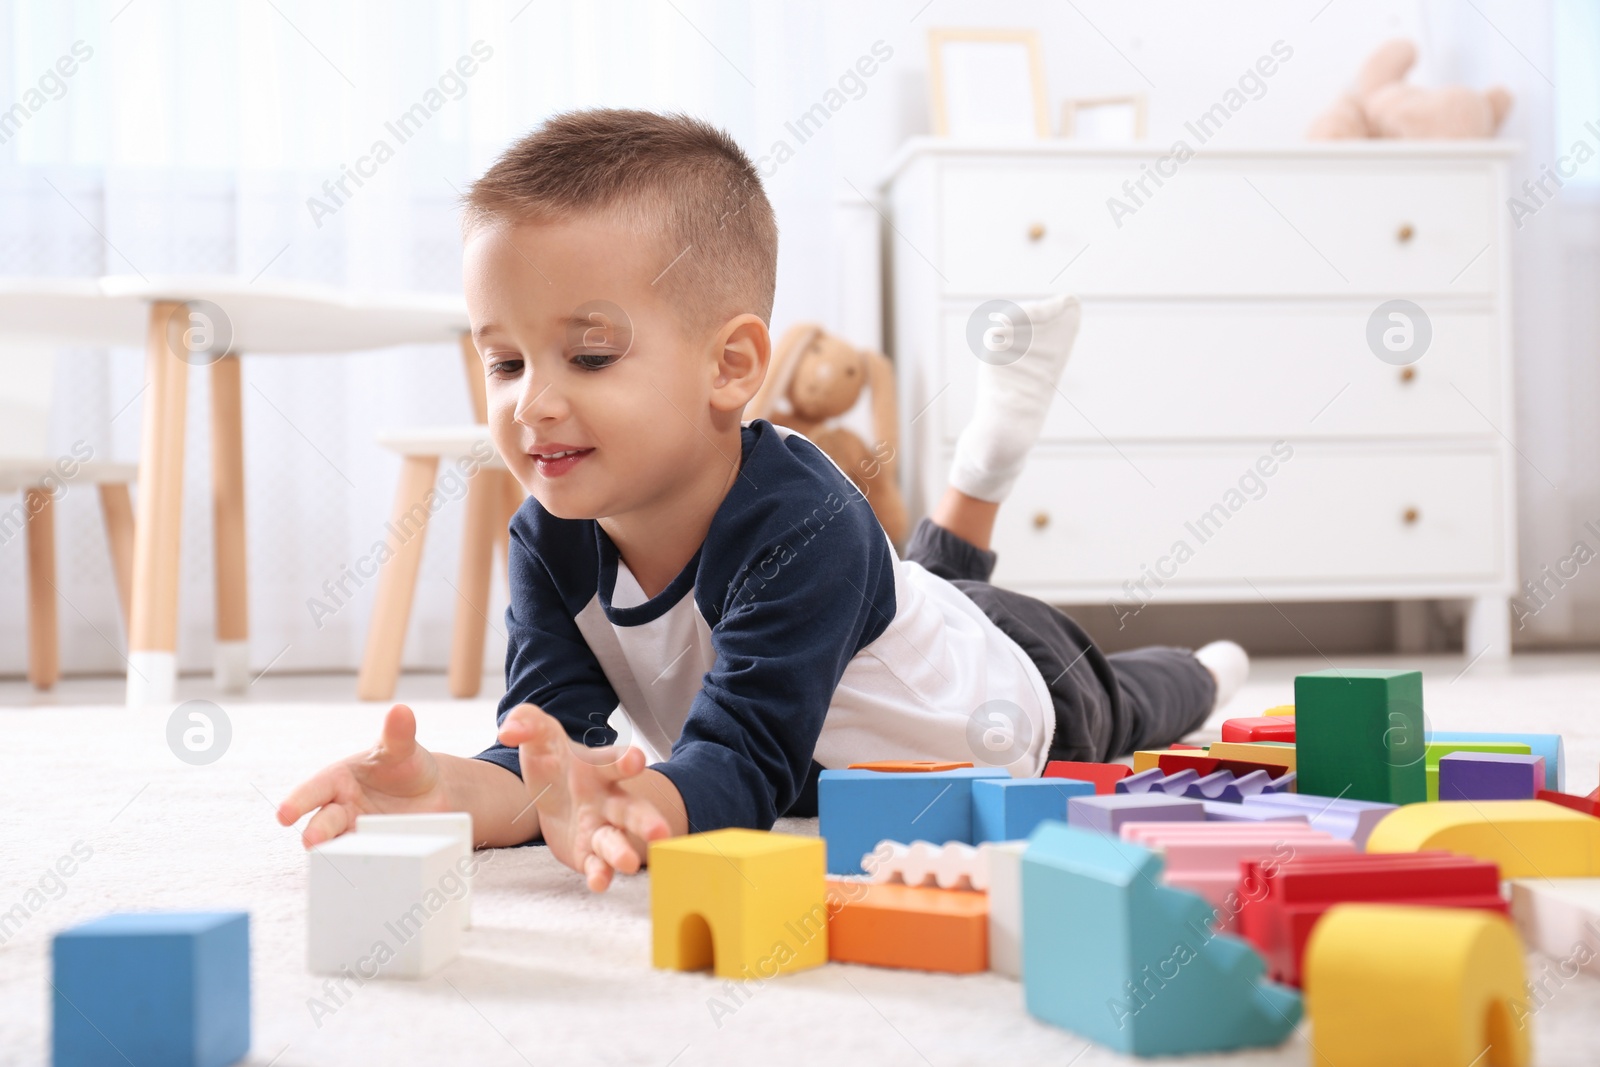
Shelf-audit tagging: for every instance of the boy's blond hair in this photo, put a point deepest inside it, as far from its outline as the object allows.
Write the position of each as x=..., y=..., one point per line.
x=682, y=182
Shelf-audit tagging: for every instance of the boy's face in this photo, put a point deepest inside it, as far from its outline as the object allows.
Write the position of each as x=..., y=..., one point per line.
x=584, y=355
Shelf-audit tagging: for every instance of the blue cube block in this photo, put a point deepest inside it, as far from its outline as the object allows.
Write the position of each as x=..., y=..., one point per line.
x=1007, y=809
x=164, y=987
x=857, y=809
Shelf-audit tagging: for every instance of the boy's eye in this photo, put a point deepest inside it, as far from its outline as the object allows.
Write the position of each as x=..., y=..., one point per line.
x=505, y=368
x=595, y=360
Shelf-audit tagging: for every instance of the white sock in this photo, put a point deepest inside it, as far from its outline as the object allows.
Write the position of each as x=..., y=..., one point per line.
x=1229, y=665
x=1012, y=401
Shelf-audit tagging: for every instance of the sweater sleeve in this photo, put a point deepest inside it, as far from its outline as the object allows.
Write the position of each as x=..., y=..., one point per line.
x=548, y=662
x=790, y=622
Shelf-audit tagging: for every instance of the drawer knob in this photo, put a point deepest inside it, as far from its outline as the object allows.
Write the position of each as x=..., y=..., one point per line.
x=1408, y=374
x=1405, y=233
x=1036, y=231
x=1041, y=519
x=1410, y=516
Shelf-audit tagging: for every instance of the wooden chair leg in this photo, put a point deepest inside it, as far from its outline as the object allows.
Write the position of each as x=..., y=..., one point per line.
x=397, y=580
x=231, y=662
x=514, y=496
x=153, y=613
x=44, y=637
x=484, y=501
x=117, y=511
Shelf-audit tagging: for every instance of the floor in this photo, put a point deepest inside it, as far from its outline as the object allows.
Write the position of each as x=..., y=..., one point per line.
x=549, y=973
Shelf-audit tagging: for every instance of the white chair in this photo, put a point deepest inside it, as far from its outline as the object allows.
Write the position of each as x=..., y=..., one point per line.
x=492, y=496
x=26, y=467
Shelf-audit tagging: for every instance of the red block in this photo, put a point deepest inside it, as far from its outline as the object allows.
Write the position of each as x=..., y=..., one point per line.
x=1260, y=728
x=1105, y=776
x=1589, y=805
x=1282, y=900
x=1203, y=765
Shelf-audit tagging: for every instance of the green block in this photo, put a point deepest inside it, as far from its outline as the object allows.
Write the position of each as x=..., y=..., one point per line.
x=1359, y=735
x=1435, y=749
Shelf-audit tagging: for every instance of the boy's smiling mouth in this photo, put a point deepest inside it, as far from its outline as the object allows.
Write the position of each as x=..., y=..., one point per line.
x=555, y=460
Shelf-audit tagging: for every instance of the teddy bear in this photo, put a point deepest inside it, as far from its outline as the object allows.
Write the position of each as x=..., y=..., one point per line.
x=821, y=376
x=1383, y=105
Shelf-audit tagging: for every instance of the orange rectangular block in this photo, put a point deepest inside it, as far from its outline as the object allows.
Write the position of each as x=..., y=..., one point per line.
x=912, y=927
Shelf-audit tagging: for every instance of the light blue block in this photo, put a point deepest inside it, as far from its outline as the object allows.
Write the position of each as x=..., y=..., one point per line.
x=165, y=988
x=1549, y=746
x=1007, y=809
x=857, y=809
x=1114, y=956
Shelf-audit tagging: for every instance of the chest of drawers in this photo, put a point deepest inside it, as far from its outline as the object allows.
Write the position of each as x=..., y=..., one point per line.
x=1226, y=429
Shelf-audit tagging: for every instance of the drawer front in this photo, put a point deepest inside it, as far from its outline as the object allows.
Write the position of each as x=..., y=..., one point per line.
x=1217, y=227
x=1153, y=372
x=1209, y=515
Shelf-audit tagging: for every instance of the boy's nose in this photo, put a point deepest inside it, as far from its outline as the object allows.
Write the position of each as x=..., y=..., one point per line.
x=539, y=400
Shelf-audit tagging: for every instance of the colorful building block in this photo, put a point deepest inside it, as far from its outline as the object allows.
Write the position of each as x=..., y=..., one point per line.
x=1426, y=987
x=1283, y=901
x=1119, y=959
x=1527, y=838
x=1490, y=776
x=1105, y=776
x=1173, y=785
x=745, y=903
x=1005, y=907
x=1269, y=752
x=1260, y=728
x=167, y=988
x=1280, y=709
x=1205, y=857
x=857, y=809
x=1224, y=786
x=1437, y=750
x=948, y=866
x=909, y=927
x=1352, y=820
x=1561, y=918
x=1203, y=763
x=384, y=905
x=1107, y=814
x=1359, y=735
x=453, y=824
x=1007, y=809
x=1144, y=759
x=1550, y=746
x=1589, y=805
x=1227, y=811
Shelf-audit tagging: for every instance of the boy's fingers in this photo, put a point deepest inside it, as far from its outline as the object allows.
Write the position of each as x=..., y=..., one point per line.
x=526, y=724
x=309, y=795
x=399, y=734
x=612, y=764
x=596, y=873
x=637, y=816
x=611, y=845
x=325, y=825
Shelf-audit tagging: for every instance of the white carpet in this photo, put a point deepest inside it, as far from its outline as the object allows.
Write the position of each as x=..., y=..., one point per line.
x=551, y=974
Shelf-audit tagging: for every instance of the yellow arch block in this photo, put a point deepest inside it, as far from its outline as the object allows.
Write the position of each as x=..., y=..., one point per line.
x=1527, y=838
x=746, y=903
x=1389, y=984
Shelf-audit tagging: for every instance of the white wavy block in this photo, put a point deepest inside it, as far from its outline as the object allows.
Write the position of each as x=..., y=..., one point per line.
x=955, y=865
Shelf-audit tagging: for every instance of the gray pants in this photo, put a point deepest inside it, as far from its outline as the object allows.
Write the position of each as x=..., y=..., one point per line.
x=1106, y=705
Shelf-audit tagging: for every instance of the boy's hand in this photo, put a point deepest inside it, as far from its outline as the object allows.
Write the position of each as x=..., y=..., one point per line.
x=396, y=775
x=589, y=821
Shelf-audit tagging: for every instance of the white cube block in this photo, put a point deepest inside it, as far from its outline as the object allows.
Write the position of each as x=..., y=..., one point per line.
x=1005, y=907
x=384, y=905
x=1561, y=918
x=456, y=824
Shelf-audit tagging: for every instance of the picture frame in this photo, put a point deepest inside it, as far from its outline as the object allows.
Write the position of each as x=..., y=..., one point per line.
x=987, y=84
x=1105, y=119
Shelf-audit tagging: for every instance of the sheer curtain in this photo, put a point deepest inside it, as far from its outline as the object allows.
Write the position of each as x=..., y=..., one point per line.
x=201, y=138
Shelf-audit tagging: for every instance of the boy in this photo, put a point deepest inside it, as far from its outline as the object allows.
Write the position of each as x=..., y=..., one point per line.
x=722, y=587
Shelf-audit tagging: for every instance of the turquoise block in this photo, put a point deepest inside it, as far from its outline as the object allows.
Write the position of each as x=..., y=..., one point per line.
x=162, y=987
x=1118, y=958
x=857, y=809
x=1007, y=809
x=1547, y=745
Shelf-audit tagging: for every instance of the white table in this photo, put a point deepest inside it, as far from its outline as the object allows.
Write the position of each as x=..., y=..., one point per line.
x=176, y=320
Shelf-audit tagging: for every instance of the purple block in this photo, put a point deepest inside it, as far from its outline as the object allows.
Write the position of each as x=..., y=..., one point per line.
x=1174, y=785
x=1352, y=820
x=1108, y=813
x=1227, y=811
x=1225, y=787
x=1490, y=776
x=1141, y=782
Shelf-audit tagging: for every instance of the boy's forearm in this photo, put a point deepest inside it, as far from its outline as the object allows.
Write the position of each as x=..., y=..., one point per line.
x=502, y=812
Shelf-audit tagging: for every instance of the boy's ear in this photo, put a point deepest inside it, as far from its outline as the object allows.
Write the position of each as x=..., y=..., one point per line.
x=743, y=350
